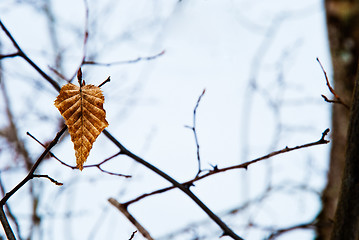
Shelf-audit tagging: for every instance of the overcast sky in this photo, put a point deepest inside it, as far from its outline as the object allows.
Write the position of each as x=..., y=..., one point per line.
x=257, y=62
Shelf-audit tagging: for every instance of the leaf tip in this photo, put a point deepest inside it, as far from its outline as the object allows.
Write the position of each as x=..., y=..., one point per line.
x=80, y=166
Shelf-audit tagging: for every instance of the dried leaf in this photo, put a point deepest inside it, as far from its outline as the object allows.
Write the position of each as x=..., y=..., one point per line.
x=82, y=109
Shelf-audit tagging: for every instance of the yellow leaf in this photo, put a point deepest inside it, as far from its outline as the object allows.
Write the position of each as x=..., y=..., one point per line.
x=82, y=109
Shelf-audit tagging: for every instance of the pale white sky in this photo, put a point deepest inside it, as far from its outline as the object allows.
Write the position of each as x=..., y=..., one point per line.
x=217, y=45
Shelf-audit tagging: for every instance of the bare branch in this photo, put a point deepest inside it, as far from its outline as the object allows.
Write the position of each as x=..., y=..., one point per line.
x=132, y=219
x=27, y=59
x=193, y=128
x=88, y=166
x=245, y=165
x=226, y=230
x=9, y=233
x=34, y=167
x=2, y=56
x=338, y=100
x=104, y=82
x=50, y=153
x=99, y=166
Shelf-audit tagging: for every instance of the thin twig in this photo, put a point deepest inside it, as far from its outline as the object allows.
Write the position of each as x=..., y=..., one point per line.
x=2, y=56
x=89, y=62
x=60, y=75
x=27, y=59
x=133, y=235
x=193, y=128
x=132, y=219
x=34, y=167
x=99, y=166
x=88, y=166
x=288, y=229
x=332, y=101
x=50, y=153
x=48, y=177
x=104, y=82
x=331, y=89
x=245, y=165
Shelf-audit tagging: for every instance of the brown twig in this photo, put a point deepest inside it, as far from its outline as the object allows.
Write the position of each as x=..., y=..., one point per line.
x=48, y=177
x=245, y=165
x=88, y=166
x=288, y=229
x=50, y=153
x=60, y=75
x=88, y=62
x=132, y=219
x=338, y=99
x=104, y=82
x=99, y=166
x=328, y=100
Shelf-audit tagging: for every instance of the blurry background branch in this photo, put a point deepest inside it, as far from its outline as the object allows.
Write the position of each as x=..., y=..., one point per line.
x=89, y=62
x=226, y=230
x=29, y=176
x=260, y=96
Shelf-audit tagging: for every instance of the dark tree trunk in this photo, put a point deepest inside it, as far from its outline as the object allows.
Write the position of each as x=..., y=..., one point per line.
x=346, y=222
x=343, y=33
